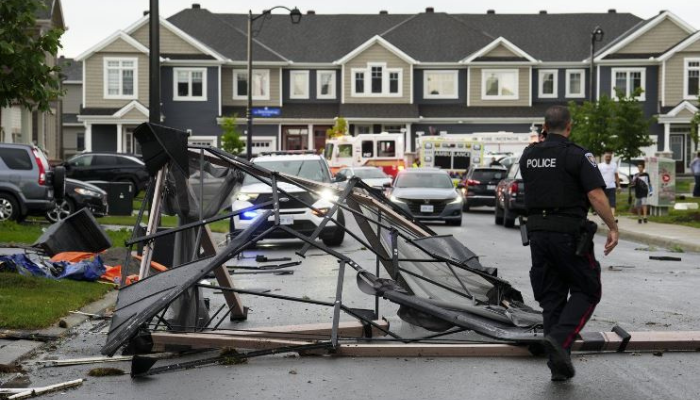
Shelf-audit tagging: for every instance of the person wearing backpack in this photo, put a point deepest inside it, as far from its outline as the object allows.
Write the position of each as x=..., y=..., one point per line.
x=642, y=189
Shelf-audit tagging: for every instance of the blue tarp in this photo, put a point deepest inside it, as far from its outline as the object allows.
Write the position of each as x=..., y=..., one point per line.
x=33, y=265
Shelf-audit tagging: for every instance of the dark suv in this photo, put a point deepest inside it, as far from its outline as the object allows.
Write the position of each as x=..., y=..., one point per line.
x=27, y=184
x=110, y=167
x=479, y=186
x=510, y=197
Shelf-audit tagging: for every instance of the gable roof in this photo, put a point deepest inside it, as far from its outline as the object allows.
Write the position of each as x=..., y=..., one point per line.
x=501, y=41
x=683, y=106
x=109, y=40
x=369, y=43
x=71, y=70
x=680, y=46
x=641, y=29
x=134, y=104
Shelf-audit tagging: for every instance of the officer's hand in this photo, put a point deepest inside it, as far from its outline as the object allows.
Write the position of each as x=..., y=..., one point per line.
x=610, y=244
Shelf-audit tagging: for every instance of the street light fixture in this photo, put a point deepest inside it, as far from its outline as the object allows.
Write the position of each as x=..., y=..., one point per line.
x=295, y=16
x=596, y=36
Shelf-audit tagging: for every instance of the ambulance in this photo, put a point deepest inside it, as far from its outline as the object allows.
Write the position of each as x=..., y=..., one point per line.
x=383, y=150
x=453, y=153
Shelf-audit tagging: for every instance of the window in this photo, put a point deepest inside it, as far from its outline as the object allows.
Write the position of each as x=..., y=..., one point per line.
x=80, y=141
x=298, y=84
x=499, y=84
x=392, y=128
x=575, y=83
x=440, y=85
x=345, y=150
x=120, y=78
x=261, y=84
x=627, y=80
x=548, y=83
x=190, y=84
x=692, y=78
x=17, y=159
x=367, y=148
x=386, y=148
x=81, y=161
x=325, y=84
x=359, y=129
x=383, y=82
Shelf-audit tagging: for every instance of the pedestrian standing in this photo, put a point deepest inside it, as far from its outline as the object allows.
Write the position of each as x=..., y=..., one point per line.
x=608, y=170
x=642, y=190
x=695, y=167
x=562, y=181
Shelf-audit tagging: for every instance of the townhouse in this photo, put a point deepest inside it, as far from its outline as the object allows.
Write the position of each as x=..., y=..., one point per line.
x=419, y=74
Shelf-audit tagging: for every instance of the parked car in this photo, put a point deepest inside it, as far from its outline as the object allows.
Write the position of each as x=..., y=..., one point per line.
x=79, y=195
x=293, y=213
x=109, y=167
x=623, y=170
x=510, y=197
x=28, y=185
x=479, y=186
x=372, y=176
x=428, y=194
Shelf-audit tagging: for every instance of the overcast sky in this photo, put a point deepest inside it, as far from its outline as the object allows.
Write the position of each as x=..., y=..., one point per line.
x=90, y=21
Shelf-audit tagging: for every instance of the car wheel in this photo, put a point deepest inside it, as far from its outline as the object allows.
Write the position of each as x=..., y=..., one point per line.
x=59, y=182
x=454, y=222
x=508, y=217
x=61, y=211
x=9, y=209
x=336, y=238
x=498, y=214
x=465, y=207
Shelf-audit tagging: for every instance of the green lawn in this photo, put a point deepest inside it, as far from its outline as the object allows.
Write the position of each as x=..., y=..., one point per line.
x=676, y=217
x=28, y=233
x=35, y=303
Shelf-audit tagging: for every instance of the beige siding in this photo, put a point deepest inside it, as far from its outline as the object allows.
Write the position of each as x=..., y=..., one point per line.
x=523, y=89
x=674, y=76
x=119, y=46
x=500, y=51
x=169, y=42
x=70, y=139
x=94, y=80
x=134, y=114
x=695, y=47
x=377, y=53
x=685, y=114
x=73, y=98
x=657, y=40
x=227, y=88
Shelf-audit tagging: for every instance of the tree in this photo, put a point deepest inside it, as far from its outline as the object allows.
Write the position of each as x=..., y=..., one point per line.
x=231, y=139
x=591, y=124
x=339, y=129
x=25, y=78
x=694, y=124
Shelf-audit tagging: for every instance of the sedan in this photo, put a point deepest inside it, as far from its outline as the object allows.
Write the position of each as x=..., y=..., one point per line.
x=428, y=194
x=479, y=186
x=79, y=195
x=372, y=176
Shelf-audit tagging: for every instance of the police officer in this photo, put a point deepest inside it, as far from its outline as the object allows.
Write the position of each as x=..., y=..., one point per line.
x=561, y=182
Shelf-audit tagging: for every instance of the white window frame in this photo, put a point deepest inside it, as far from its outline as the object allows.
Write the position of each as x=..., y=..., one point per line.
x=569, y=94
x=686, y=69
x=514, y=96
x=237, y=72
x=120, y=96
x=368, y=81
x=292, y=75
x=453, y=73
x=358, y=129
x=555, y=86
x=190, y=97
x=332, y=92
x=202, y=140
x=628, y=90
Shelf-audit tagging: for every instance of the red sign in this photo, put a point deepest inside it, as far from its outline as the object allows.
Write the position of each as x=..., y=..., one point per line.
x=666, y=178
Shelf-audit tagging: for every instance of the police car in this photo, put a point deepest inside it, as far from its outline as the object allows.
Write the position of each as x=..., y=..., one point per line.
x=293, y=212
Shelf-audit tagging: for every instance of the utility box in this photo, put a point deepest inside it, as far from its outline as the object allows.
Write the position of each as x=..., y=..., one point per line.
x=120, y=196
x=662, y=175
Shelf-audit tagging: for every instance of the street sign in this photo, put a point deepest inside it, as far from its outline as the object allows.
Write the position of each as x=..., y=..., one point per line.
x=266, y=112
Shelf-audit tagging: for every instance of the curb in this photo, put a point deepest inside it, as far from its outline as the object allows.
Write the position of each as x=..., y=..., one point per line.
x=25, y=348
x=650, y=240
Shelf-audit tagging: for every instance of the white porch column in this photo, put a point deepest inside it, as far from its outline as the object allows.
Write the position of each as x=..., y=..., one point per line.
x=310, y=138
x=667, y=137
x=88, y=136
x=120, y=139
x=407, y=138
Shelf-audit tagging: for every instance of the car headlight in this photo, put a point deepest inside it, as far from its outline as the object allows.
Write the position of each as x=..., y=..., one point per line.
x=328, y=195
x=395, y=199
x=456, y=200
x=87, y=192
x=247, y=196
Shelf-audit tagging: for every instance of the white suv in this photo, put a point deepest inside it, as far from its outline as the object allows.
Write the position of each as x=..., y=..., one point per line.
x=292, y=212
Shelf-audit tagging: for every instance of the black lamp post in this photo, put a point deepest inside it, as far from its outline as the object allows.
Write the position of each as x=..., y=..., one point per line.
x=596, y=36
x=295, y=16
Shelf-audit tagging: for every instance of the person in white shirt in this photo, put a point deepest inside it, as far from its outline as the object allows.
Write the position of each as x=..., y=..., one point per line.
x=612, y=180
x=695, y=167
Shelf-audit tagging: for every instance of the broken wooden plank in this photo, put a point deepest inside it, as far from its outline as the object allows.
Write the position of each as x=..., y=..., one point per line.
x=430, y=350
x=640, y=341
x=46, y=389
x=347, y=329
x=217, y=340
x=233, y=300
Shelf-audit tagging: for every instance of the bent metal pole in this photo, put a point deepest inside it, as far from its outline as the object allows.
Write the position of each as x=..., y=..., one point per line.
x=153, y=221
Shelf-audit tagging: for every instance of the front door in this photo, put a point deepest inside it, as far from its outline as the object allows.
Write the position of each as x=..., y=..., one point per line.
x=678, y=150
x=320, y=137
x=295, y=138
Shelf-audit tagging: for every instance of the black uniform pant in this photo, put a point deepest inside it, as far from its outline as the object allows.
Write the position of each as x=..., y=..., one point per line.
x=566, y=286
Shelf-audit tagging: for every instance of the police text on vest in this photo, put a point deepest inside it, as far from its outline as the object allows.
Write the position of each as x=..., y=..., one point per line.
x=542, y=163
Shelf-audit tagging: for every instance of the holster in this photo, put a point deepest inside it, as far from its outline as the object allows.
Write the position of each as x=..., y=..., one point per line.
x=585, y=240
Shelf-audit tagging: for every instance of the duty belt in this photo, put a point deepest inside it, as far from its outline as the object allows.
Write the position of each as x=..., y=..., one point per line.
x=555, y=223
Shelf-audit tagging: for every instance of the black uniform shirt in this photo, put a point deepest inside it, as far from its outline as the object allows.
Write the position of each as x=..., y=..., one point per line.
x=558, y=174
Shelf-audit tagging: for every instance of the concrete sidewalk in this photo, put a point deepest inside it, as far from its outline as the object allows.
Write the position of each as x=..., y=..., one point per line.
x=655, y=234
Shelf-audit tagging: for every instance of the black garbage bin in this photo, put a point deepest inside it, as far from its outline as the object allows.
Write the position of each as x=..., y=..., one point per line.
x=120, y=196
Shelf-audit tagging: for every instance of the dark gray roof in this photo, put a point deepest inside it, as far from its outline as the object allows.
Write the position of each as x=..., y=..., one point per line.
x=378, y=111
x=291, y=110
x=457, y=111
x=71, y=70
x=173, y=56
x=98, y=111
x=69, y=118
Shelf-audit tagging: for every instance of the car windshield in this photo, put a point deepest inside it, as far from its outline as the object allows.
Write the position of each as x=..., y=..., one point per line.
x=488, y=175
x=424, y=180
x=369, y=174
x=307, y=169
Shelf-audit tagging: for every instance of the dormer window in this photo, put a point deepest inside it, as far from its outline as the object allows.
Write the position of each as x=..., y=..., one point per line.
x=383, y=81
x=120, y=78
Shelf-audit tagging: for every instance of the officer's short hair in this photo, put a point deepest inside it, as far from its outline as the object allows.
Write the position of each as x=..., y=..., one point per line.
x=556, y=118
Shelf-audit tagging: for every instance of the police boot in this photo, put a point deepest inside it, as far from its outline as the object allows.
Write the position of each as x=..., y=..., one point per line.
x=559, y=360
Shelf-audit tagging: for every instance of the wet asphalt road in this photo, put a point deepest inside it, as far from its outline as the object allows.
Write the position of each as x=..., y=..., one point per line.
x=638, y=293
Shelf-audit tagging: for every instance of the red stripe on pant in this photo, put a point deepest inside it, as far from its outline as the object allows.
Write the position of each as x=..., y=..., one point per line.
x=569, y=340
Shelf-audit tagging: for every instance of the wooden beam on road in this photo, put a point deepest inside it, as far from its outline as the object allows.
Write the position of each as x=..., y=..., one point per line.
x=216, y=340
